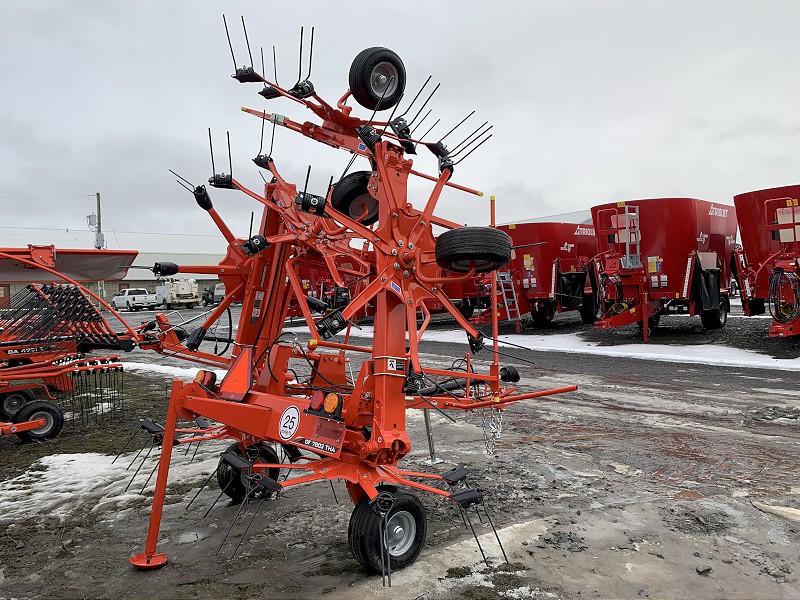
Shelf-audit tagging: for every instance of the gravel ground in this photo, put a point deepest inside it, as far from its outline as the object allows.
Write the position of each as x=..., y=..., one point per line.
x=654, y=479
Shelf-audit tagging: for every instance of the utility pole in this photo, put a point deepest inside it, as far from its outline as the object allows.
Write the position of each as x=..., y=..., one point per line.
x=99, y=242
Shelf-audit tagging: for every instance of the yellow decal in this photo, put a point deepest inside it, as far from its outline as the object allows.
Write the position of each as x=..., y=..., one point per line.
x=791, y=202
x=620, y=204
x=512, y=226
x=633, y=310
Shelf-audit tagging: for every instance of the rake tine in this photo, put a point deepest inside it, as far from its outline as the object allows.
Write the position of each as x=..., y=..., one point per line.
x=152, y=444
x=196, y=448
x=483, y=554
x=218, y=497
x=130, y=439
x=489, y=517
x=247, y=529
x=155, y=466
x=188, y=446
x=335, y=499
x=138, y=453
x=214, y=472
x=233, y=522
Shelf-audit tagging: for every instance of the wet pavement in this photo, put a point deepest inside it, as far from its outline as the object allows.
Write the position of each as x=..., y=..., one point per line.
x=654, y=479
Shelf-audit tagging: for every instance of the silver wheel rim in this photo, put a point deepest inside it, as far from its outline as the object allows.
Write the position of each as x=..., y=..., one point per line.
x=12, y=404
x=401, y=530
x=49, y=422
x=383, y=79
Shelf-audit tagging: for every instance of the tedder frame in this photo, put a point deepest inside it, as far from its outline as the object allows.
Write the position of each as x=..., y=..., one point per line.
x=332, y=426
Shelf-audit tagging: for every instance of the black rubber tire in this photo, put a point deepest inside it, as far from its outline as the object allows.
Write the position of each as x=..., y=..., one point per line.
x=652, y=324
x=488, y=248
x=350, y=194
x=232, y=482
x=190, y=306
x=129, y=307
x=168, y=306
x=543, y=317
x=363, y=533
x=11, y=404
x=368, y=67
x=587, y=311
x=40, y=409
x=466, y=308
x=716, y=319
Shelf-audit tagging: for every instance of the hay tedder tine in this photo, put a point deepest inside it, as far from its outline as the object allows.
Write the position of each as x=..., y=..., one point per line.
x=205, y=483
x=130, y=439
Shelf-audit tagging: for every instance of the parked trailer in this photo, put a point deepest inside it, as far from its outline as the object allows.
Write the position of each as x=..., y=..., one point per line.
x=549, y=269
x=663, y=255
x=767, y=263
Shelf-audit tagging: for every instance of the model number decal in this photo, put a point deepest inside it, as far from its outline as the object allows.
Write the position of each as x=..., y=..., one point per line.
x=315, y=445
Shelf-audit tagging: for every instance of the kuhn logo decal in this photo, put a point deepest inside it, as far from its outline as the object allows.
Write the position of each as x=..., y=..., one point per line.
x=567, y=247
x=581, y=230
x=702, y=238
x=717, y=212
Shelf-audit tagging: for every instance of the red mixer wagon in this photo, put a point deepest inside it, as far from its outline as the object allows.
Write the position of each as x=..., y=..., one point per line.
x=550, y=268
x=766, y=264
x=663, y=255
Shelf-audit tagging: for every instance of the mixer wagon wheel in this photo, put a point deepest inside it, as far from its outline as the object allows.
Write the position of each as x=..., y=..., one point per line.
x=377, y=73
x=466, y=308
x=232, y=483
x=350, y=196
x=40, y=409
x=487, y=248
x=405, y=528
x=715, y=319
x=588, y=311
x=542, y=317
x=11, y=404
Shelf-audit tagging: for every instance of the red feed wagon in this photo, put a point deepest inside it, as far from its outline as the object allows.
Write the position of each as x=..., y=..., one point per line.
x=549, y=267
x=766, y=265
x=663, y=255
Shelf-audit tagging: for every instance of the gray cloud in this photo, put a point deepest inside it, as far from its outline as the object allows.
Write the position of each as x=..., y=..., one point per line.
x=591, y=101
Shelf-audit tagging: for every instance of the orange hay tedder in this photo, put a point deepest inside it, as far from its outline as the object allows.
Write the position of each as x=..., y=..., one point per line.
x=333, y=426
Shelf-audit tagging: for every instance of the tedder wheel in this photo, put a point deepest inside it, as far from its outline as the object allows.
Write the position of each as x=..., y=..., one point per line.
x=375, y=73
x=715, y=319
x=11, y=404
x=40, y=409
x=488, y=248
x=350, y=195
x=233, y=483
x=542, y=317
x=406, y=528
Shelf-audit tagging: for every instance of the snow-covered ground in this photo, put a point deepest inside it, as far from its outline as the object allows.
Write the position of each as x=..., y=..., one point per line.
x=707, y=354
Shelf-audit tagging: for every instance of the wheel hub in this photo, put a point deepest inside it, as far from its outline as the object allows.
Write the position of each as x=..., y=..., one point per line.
x=400, y=533
x=384, y=79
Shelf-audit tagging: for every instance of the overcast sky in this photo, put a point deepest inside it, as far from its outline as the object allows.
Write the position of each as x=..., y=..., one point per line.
x=591, y=101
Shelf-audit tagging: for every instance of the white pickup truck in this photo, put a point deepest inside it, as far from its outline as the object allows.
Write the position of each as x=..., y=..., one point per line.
x=134, y=299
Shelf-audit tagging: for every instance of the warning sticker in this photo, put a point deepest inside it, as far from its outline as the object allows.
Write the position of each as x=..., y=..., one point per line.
x=654, y=264
x=290, y=421
x=396, y=364
x=527, y=261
